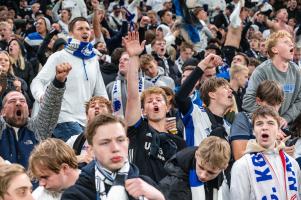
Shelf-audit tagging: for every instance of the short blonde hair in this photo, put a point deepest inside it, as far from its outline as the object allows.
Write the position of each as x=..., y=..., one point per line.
x=153, y=90
x=51, y=154
x=7, y=173
x=273, y=39
x=214, y=152
x=236, y=68
x=146, y=59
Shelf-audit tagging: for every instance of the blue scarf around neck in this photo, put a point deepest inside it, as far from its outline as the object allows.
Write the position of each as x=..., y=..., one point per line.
x=83, y=50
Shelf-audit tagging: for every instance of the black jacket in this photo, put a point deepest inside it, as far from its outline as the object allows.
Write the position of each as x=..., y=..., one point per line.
x=175, y=186
x=84, y=188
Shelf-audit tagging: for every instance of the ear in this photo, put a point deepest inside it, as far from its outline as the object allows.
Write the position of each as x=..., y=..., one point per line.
x=258, y=101
x=64, y=167
x=143, y=111
x=212, y=95
x=274, y=50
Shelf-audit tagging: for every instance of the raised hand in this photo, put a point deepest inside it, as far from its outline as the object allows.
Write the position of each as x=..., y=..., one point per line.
x=211, y=61
x=132, y=44
x=62, y=71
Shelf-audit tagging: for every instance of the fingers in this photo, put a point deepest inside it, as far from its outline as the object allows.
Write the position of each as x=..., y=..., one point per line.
x=63, y=67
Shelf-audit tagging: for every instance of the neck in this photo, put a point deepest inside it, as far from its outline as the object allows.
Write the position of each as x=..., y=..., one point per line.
x=217, y=110
x=158, y=125
x=14, y=56
x=233, y=84
x=280, y=64
x=73, y=176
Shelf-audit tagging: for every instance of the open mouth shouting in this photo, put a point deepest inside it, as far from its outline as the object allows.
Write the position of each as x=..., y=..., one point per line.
x=156, y=108
x=85, y=37
x=18, y=112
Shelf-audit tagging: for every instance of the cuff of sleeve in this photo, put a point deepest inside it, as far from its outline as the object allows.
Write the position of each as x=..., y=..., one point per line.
x=58, y=84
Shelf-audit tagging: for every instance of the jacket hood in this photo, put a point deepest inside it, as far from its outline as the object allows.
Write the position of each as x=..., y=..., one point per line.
x=254, y=147
x=108, y=68
x=180, y=164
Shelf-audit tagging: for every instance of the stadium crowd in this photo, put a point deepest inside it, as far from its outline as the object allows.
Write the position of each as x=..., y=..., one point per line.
x=150, y=99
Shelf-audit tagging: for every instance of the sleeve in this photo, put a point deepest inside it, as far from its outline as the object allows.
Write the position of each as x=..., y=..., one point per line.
x=55, y=10
x=182, y=97
x=241, y=128
x=136, y=128
x=45, y=121
x=45, y=76
x=100, y=89
x=240, y=184
x=249, y=100
x=83, y=8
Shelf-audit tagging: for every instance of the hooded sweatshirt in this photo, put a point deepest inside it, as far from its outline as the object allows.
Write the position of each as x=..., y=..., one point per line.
x=242, y=186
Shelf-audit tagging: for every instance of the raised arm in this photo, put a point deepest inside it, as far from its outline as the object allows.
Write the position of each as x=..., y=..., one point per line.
x=46, y=119
x=133, y=104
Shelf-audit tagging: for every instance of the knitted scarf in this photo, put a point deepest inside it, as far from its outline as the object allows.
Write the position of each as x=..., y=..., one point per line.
x=264, y=179
x=114, y=179
x=117, y=96
x=83, y=50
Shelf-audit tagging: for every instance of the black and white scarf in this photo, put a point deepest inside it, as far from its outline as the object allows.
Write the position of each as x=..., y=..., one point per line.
x=115, y=179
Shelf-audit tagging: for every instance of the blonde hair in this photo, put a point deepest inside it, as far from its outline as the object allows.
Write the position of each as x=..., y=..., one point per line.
x=273, y=39
x=100, y=99
x=51, y=154
x=10, y=69
x=236, y=69
x=7, y=173
x=214, y=151
x=146, y=59
x=153, y=90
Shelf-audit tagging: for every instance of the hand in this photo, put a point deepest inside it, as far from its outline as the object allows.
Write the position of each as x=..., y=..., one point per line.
x=17, y=83
x=136, y=187
x=56, y=26
x=290, y=150
x=211, y=61
x=86, y=157
x=282, y=136
x=99, y=14
x=132, y=44
x=62, y=71
x=283, y=122
x=144, y=21
x=95, y=4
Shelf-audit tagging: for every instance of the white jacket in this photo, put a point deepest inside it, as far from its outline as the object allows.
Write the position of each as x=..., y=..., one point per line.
x=241, y=187
x=78, y=89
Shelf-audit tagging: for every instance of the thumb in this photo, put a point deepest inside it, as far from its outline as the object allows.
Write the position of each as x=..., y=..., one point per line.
x=143, y=43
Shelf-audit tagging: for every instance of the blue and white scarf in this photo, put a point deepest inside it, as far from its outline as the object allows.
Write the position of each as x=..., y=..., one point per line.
x=117, y=96
x=83, y=50
x=265, y=181
x=197, y=188
x=115, y=179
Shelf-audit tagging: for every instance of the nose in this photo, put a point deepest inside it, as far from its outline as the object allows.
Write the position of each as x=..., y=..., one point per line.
x=114, y=146
x=42, y=182
x=203, y=176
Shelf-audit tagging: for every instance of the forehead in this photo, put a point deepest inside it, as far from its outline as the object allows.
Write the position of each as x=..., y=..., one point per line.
x=265, y=118
x=125, y=55
x=14, y=95
x=109, y=131
x=42, y=170
x=81, y=23
x=97, y=101
x=3, y=55
x=206, y=166
x=19, y=181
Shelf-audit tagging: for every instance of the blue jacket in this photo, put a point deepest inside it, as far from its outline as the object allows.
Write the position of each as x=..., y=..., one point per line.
x=16, y=147
x=84, y=188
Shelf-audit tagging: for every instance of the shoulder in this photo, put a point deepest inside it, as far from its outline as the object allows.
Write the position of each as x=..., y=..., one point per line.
x=34, y=36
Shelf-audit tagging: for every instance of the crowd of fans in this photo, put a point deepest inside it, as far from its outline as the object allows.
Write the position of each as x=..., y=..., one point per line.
x=150, y=99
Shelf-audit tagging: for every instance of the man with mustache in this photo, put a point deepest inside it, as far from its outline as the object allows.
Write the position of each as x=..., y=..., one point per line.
x=19, y=133
x=84, y=81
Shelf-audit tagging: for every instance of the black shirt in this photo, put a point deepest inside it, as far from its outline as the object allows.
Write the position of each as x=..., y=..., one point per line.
x=150, y=149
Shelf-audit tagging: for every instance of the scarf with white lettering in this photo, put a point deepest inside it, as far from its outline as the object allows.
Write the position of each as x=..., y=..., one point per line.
x=117, y=96
x=115, y=179
x=265, y=181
